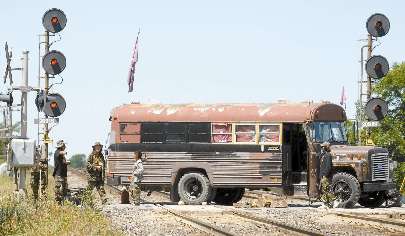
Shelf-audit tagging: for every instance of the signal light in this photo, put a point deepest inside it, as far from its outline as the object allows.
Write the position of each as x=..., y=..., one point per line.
x=376, y=109
x=7, y=98
x=54, y=62
x=377, y=67
x=54, y=20
x=378, y=25
x=53, y=106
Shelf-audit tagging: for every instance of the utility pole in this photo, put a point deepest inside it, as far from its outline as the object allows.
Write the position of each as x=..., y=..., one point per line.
x=46, y=91
x=369, y=52
x=22, y=171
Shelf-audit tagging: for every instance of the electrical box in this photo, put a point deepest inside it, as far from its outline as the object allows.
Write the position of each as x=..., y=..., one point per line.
x=23, y=151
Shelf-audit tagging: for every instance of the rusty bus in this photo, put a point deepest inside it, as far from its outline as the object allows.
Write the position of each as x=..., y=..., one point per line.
x=212, y=152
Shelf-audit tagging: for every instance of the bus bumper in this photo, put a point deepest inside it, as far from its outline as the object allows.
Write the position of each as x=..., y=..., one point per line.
x=378, y=186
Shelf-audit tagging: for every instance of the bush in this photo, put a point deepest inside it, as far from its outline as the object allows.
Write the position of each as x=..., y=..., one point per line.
x=78, y=161
x=46, y=217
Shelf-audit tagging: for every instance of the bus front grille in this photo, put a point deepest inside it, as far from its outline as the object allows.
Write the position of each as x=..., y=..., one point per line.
x=379, y=166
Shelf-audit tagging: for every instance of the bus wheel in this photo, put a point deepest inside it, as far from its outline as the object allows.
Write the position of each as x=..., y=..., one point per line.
x=372, y=200
x=228, y=196
x=346, y=189
x=240, y=195
x=194, y=188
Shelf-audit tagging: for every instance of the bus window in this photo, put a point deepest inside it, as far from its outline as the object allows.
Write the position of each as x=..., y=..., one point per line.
x=221, y=133
x=152, y=133
x=245, y=133
x=199, y=132
x=175, y=132
x=130, y=132
x=269, y=133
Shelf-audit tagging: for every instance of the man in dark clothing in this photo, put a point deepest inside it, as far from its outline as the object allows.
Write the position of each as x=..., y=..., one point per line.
x=60, y=171
x=325, y=166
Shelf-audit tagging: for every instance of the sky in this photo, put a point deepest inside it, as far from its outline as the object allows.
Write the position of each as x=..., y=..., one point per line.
x=195, y=52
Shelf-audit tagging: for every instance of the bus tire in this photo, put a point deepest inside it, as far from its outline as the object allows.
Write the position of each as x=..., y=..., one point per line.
x=240, y=195
x=228, y=196
x=346, y=189
x=373, y=200
x=194, y=188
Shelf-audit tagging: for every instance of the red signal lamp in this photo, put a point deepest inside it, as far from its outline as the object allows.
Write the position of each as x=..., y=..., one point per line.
x=53, y=105
x=54, y=20
x=54, y=61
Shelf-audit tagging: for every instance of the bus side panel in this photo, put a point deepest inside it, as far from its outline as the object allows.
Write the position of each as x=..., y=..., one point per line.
x=224, y=169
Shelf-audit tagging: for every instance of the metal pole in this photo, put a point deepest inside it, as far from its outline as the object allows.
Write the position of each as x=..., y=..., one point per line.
x=360, y=101
x=369, y=51
x=24, y=102
x=22, y=172
x=46, y=88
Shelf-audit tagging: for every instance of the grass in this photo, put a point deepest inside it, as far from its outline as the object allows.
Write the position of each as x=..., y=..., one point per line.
x=45, y=217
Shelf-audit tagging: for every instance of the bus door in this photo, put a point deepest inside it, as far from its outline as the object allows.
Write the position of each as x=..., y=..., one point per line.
x=313, y=164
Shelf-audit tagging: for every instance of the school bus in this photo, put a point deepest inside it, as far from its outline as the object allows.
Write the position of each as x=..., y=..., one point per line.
x=212, y=152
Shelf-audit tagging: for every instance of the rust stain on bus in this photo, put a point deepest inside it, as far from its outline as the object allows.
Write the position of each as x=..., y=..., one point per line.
x=265, y=112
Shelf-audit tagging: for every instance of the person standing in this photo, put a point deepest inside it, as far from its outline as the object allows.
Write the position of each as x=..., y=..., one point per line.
x=136, y=178
x=96, y=170
x=39, y=178
x=325, y=167
x=60, y=171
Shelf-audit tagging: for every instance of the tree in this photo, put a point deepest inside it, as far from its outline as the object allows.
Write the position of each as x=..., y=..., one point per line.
x=78, y=161
x=391, y=133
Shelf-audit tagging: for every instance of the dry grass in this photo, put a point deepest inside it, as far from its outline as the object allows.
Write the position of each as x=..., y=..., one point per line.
x=24, y=217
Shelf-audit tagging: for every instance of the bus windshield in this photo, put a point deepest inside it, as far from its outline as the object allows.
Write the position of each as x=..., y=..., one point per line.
x=328, y=132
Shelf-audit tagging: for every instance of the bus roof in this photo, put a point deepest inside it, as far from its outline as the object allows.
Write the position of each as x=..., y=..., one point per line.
x=231, y=112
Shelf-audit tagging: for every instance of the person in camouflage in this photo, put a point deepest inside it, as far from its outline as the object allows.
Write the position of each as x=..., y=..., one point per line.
x=60, y=171
x=39, y=176
x=136, y=178
x=95, y=170
x=327, y=196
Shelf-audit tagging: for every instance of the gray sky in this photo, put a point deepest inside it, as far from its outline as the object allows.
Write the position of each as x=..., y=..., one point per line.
x=206, y=51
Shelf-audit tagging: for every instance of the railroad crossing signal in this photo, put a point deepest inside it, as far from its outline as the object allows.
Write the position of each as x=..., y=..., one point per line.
x=377, y=66
x=54, y=20
x=53, y=105
x=7, y=98
x=376, y=109
x=378, y=25
x=54, y=62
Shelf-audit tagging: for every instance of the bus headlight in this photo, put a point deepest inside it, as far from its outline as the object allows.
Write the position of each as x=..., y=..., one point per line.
x=392, y=166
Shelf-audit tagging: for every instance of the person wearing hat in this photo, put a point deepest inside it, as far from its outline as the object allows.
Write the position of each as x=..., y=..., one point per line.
x=95, y=170
x=325, y=167
x=60, y=171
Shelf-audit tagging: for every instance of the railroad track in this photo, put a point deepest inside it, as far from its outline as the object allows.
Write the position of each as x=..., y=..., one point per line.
x=373, y=219
x=287, y=227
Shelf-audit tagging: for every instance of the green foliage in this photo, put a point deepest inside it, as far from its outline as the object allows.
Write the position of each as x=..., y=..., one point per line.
x=78, y=161
x=391, y=133
x=399, y=175
x=45, y=217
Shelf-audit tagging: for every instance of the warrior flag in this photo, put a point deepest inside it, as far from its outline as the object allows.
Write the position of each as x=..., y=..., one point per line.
x=134, y=60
